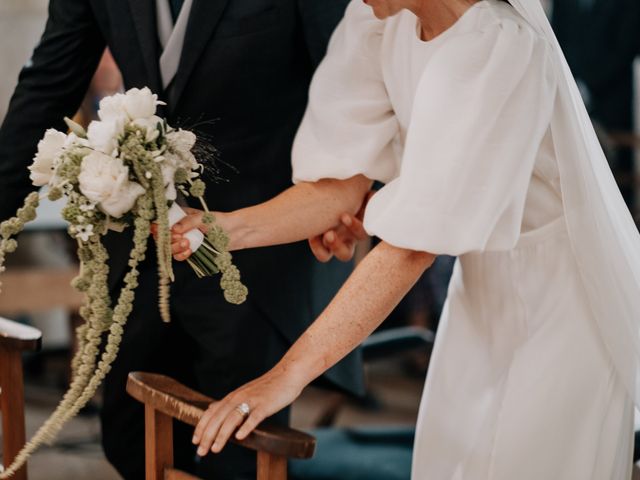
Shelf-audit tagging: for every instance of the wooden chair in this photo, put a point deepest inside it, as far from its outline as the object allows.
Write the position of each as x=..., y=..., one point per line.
x=14, y=339
x=165, y=399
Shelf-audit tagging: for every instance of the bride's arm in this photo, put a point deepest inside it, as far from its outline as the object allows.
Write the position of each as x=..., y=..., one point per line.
x=300, y=212
x=366, y=299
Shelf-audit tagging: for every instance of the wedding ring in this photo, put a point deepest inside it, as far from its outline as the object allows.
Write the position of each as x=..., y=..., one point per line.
x=244, y=409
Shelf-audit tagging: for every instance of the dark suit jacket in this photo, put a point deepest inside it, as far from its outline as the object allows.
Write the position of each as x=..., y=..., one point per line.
x=242, y=83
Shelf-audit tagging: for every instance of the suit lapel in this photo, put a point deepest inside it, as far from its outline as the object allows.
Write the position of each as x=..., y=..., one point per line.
x=143, y=13
x=203, y=20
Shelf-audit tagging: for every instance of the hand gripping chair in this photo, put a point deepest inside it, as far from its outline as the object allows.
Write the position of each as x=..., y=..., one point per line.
x=165, y=399
x=342, y=453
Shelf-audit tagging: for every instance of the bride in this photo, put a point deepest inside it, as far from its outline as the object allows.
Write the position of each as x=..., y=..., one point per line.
x=467, y=112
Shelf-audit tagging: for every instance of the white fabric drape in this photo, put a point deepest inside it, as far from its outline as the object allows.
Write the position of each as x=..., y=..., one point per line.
x=603, y=235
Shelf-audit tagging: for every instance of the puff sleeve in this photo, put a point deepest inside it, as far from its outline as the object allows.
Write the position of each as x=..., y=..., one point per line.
x=482, y=108
x=349, y=124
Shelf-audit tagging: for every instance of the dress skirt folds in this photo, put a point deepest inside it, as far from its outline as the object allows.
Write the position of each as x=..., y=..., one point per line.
x=520, y=385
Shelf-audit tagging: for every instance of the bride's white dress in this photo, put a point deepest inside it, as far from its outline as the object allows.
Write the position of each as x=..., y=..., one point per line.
x=520, y=385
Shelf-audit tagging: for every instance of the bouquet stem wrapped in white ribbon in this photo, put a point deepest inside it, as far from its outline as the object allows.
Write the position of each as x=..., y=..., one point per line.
x=123, y=172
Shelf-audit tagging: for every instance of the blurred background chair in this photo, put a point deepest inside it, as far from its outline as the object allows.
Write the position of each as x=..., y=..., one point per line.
x=14, y=340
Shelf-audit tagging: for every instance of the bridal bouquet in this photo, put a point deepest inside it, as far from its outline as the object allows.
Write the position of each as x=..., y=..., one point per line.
x=124, y=171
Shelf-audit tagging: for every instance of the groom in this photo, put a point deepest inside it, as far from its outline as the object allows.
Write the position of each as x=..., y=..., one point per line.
x=236, y=72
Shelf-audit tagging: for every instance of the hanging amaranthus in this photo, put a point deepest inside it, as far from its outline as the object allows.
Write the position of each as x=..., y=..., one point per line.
x=124, y=171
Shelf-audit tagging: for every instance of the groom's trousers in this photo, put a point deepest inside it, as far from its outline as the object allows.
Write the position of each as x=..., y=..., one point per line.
x=210, y=345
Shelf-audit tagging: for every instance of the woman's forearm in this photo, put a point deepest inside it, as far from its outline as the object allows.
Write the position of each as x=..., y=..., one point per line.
x=374, y=289
x=300, y=212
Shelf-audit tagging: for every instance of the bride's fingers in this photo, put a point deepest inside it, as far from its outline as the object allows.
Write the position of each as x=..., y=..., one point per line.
x=189, y=222
x=179, y=246
x=181, y=257
x=231, y=423
x=180, y=249
x=254, y=419
x=212, y=427
x=203, y=422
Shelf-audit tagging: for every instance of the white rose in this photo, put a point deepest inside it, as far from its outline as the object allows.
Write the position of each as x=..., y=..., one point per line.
x=140, y=103
x=103, y=135
x=101, y=175
x=44, y=162
x=123, y=200
x=105, y=180
x=112, y=108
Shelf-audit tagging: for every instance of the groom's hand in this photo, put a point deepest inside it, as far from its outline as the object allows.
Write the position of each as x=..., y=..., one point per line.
x=340, y=242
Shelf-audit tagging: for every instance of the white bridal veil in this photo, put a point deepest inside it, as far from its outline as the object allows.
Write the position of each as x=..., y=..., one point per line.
x=603, y=235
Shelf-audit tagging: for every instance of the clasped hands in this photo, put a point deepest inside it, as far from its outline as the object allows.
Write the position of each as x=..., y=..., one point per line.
x=338, y=242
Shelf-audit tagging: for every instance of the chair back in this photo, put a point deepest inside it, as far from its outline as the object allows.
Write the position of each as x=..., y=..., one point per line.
x=165, y=399
x=14, y=339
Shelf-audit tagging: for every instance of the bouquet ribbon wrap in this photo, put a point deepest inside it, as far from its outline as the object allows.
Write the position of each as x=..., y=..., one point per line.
x=195, y=236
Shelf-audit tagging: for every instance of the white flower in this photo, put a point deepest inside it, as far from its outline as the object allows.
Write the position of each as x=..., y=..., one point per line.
x=170, y=192
x=140, y=103
x=150, y=125
x=192, y=165
x=89, y=207
x=181, y=141
x=124, y=200
x=168, y=167
x=103, y=135
x=101, y=175
x=105, y=180
x=44, y=162
x=84, y=232
x=73, y=141
x=112, y=108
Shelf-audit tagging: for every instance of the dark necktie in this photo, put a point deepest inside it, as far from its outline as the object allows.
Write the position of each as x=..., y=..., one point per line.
x=176, y=5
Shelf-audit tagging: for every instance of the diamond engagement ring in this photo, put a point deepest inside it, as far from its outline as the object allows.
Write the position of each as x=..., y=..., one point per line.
x=244, y=409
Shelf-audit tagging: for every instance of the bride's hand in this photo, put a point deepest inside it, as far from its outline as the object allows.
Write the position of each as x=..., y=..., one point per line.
x=179, y=244
x=264, y=396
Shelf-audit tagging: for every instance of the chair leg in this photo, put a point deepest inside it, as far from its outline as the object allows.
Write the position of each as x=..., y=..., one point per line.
x=271, y=467
x=12, y=408
x=158, y=443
